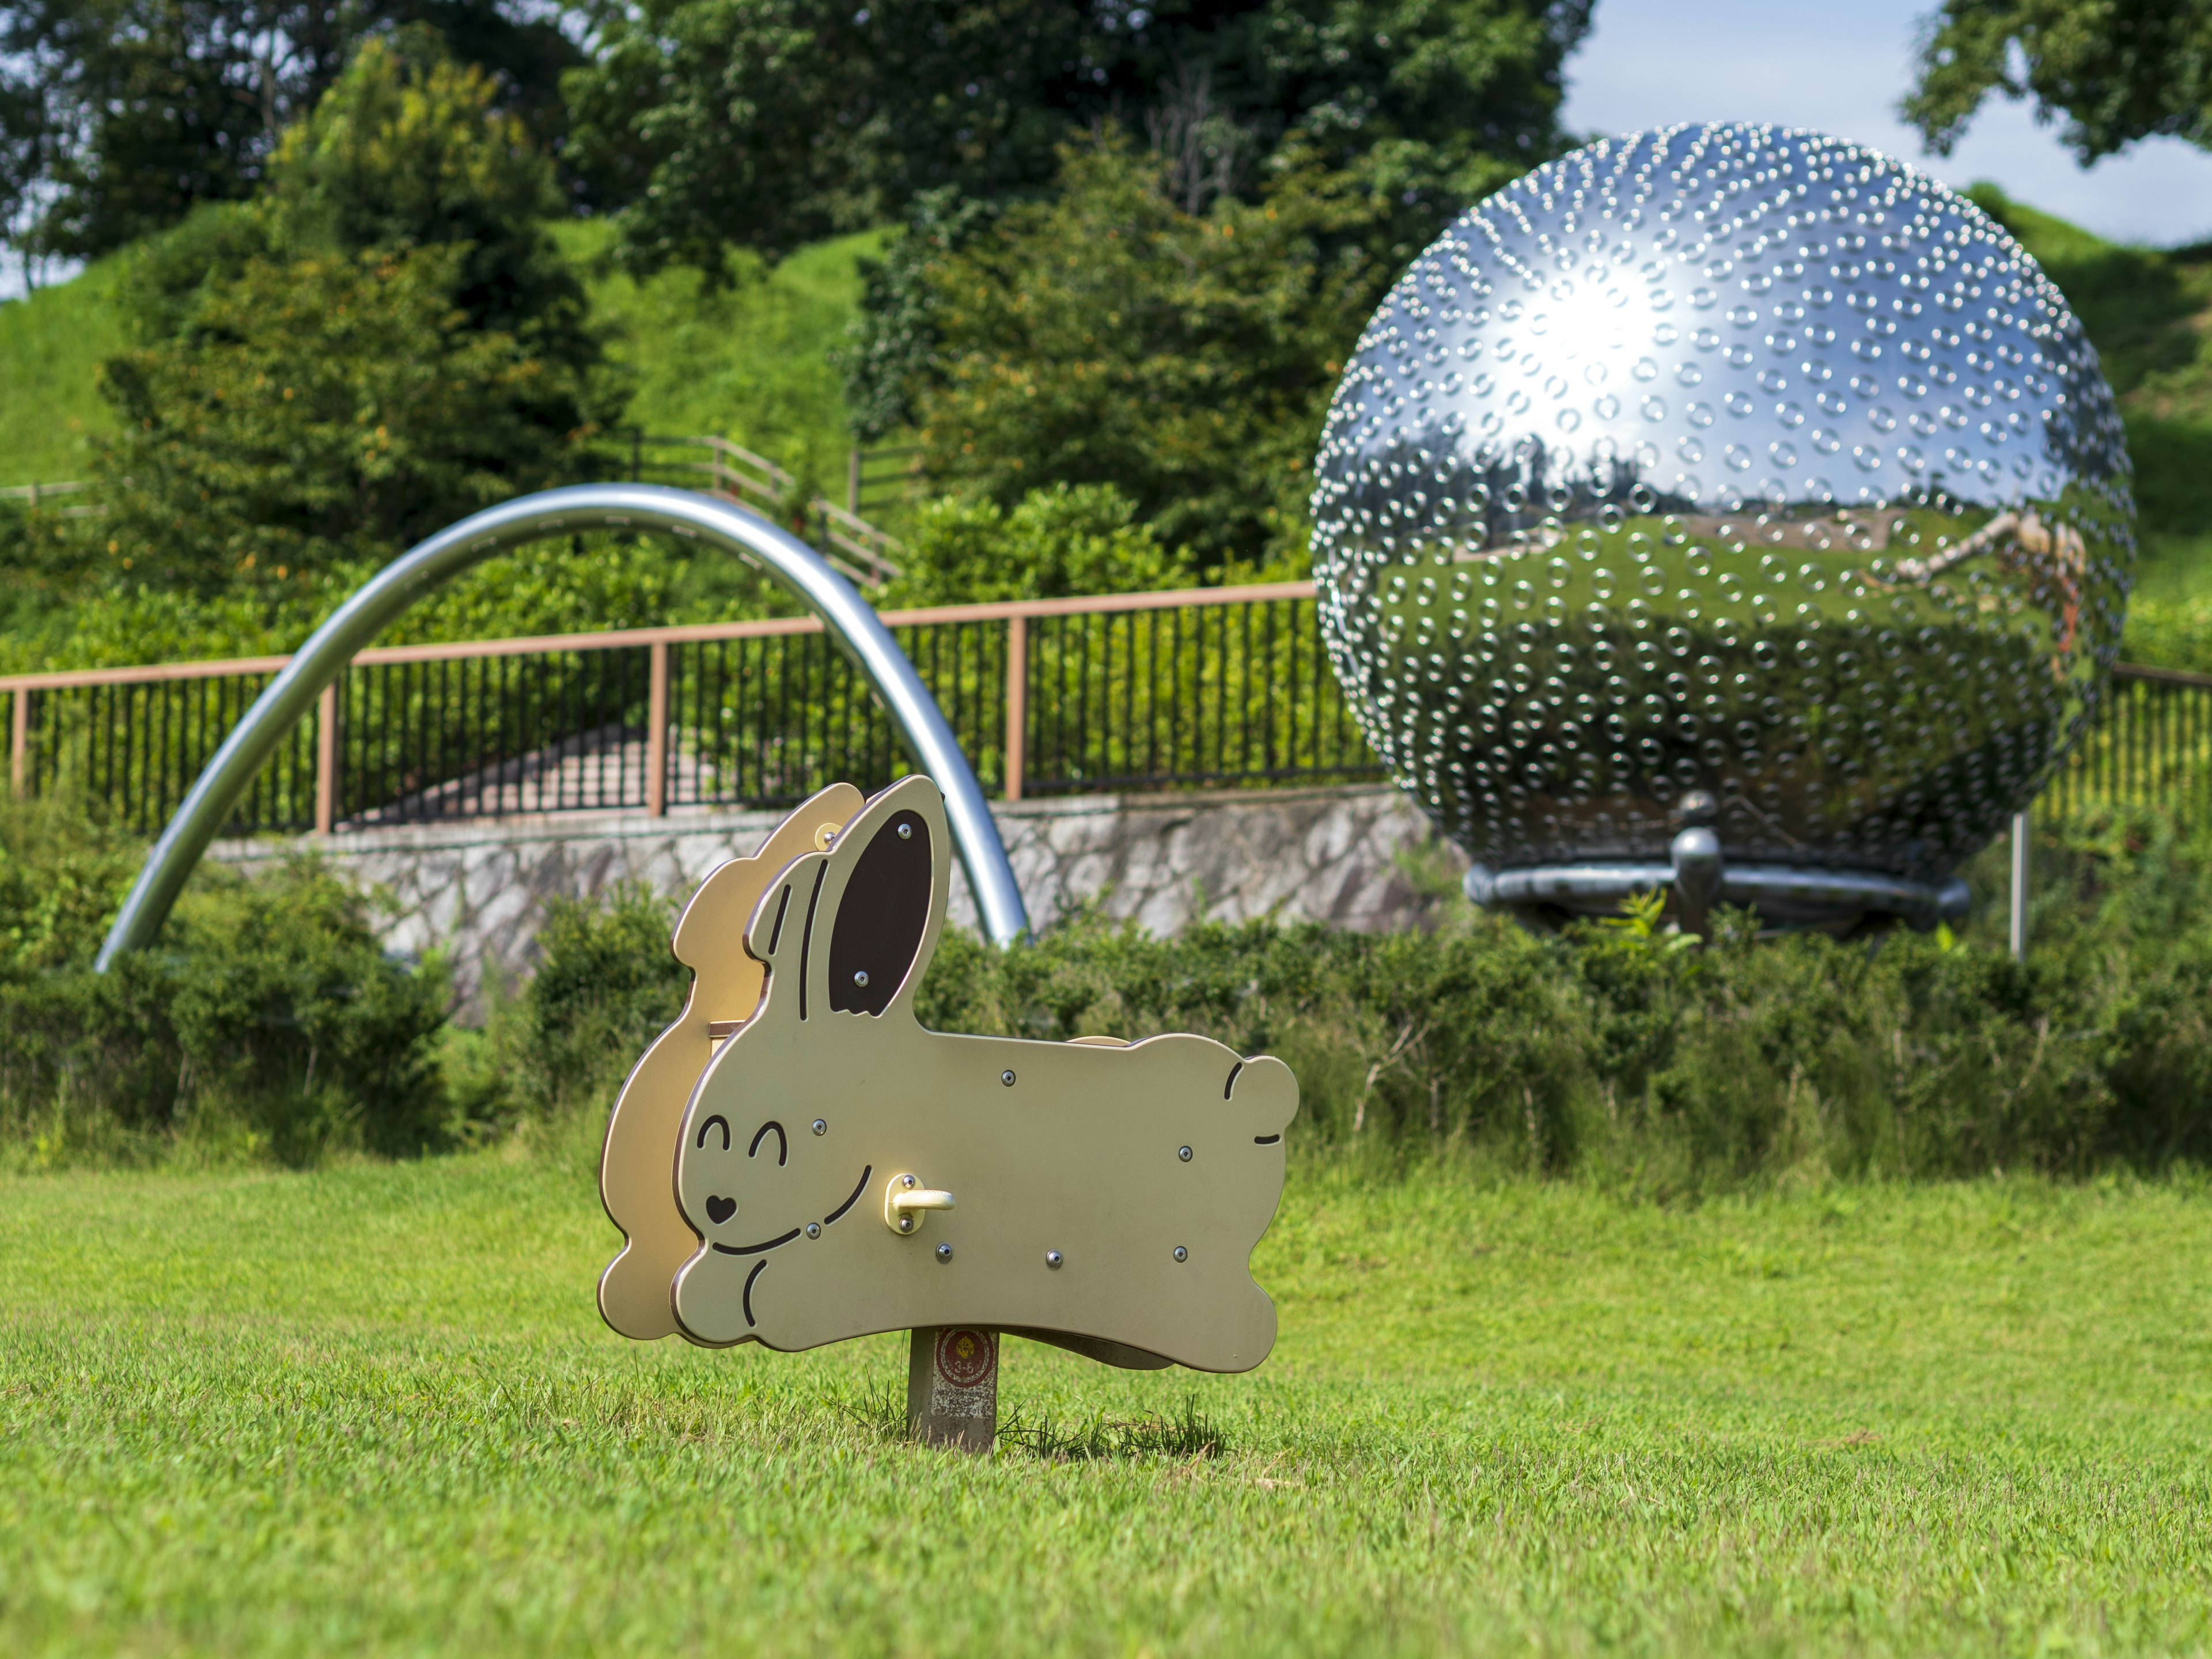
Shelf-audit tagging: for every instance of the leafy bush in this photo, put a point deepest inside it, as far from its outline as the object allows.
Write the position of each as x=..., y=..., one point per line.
x=1611, y=1052
x=1067, y=539
x=383, y=342
x=266, y=1019
x=268, y=1022
x=606, y=985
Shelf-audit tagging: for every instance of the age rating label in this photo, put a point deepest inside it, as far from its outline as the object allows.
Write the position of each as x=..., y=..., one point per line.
x=966, y=1383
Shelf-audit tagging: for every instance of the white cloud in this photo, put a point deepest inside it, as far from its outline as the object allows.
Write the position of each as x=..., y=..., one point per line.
x=1840, y=66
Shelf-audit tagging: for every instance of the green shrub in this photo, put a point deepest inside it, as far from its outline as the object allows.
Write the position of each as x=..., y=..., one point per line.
x=1610, y=1052
x=1078, y=538
x=266, y=1019
x=606, y=985
x=267, y=1023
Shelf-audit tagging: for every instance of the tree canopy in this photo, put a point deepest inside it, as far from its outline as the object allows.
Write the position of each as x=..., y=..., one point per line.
x=2112, y=71
x=1105, y=336
x=382, y=342
x=765, y=123
x=116, y=116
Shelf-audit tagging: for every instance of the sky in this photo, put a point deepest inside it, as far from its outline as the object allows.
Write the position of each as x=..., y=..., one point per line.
x=1840, y=66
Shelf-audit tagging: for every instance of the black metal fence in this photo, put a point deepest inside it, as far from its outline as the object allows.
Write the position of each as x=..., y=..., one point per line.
x=2150, y=745
x=1146, y=692
x=1142, y=692
x=131, y=748
x=1216, y=696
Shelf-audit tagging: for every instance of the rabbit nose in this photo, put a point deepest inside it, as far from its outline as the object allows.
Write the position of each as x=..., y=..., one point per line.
x=720, y=1209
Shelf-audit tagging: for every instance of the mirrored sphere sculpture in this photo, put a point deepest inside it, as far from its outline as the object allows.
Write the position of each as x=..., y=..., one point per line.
x=1723, y=481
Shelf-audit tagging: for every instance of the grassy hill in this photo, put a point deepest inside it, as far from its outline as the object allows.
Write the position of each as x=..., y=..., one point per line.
x=51, y=345
x=2149, y=312
x=750, y=361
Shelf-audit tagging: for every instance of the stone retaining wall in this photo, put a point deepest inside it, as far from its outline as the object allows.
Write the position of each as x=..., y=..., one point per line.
x=1333, y=855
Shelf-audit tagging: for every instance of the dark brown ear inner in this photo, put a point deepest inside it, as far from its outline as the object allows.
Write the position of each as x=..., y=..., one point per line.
x=881, y=917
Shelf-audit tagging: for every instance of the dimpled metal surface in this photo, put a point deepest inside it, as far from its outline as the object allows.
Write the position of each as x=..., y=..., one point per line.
x=1729, y=458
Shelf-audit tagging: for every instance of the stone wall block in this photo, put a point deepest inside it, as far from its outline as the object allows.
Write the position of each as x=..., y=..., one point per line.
x=479, y=887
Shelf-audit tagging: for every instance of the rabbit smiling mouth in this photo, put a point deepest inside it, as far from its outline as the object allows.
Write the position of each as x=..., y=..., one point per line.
x=859, y=1187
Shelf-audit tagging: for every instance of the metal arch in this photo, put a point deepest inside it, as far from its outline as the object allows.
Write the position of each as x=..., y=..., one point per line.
x=806, y=574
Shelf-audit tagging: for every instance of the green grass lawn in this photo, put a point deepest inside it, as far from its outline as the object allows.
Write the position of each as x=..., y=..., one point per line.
x=372, y=1409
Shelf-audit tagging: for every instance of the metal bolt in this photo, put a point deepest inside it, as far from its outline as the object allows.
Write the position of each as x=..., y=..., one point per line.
x=860, y=979
x=814, y=1230
x=1006, y=1078
x=1181, y=1254
x=1183, y=1153
x=1052, y=1258
x=906, y=832
x=820, y=1128
x=906, y=1181
x=944, y=1253
x=906, y=1224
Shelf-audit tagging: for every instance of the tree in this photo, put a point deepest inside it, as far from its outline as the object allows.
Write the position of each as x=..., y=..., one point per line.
x=1104, y=336
x=117, y=115
x=411, y=148
x=329, y=408
x=2116, y=70
x=383, y=343
x=766, y=124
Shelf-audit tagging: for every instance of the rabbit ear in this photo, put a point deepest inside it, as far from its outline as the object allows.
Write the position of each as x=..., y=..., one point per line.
x=881, y=916
x=781, y=914
x=882, y=903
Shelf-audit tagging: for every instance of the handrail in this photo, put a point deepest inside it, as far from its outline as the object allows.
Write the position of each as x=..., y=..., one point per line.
x=684, y=634
x=387, y=595
x=2136, y=671
x=843, y=527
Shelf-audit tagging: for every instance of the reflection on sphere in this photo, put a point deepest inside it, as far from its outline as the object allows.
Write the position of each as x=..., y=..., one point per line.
x=1729, y=459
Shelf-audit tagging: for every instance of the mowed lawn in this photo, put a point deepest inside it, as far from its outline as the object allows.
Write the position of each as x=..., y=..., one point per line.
x=372, y=1409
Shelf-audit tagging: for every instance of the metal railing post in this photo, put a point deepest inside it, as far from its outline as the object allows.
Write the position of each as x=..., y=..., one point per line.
x=1017, y=702
x=19, y=744
x=2020, y=821
x=326, y=759
x=656, y=733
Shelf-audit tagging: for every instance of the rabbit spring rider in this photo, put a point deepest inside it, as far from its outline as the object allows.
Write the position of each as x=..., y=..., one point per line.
x=797, y=1160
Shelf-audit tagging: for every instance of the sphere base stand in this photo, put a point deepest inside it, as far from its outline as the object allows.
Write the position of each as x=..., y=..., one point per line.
x=1786, y=896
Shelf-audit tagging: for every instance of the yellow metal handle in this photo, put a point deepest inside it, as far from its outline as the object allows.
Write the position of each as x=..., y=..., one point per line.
x=906, y=1198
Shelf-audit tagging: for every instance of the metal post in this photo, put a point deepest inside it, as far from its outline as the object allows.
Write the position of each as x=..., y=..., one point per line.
x=2020, y=886
x=656, y=733
x=952, y=1388
x=326, y=759
x=19, y=744
x=1017, y=702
